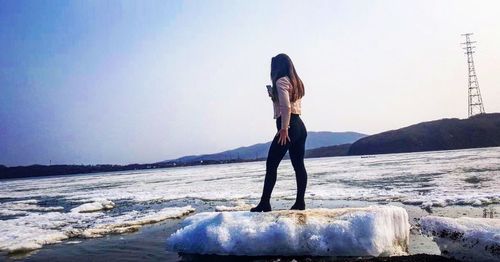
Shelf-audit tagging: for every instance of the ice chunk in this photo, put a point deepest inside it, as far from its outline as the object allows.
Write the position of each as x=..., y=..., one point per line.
x=97, y=205
x=368, y=231
x=465, y=238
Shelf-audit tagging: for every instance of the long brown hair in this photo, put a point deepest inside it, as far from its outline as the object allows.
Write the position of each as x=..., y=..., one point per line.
x=281, y=65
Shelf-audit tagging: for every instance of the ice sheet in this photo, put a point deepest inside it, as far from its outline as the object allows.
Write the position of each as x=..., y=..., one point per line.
x=460, y=177
x=430, y=179
x=37, y=229
x=369, y=231
x=465, y=238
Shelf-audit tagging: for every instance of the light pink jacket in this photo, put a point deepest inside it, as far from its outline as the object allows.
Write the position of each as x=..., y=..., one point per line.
x=283, y=107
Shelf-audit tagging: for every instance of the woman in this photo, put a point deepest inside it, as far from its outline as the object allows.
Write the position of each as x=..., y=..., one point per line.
x=287, y=92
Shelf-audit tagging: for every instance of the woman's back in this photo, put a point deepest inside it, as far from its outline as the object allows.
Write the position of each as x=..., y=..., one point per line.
x=284, y=88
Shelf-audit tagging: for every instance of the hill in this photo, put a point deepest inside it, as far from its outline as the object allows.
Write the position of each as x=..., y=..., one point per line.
x=327, y=151
x=245, y=154
x=478, y=131
x=258, y=151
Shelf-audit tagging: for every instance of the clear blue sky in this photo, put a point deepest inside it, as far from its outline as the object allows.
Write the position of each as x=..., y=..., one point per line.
x=142, y=81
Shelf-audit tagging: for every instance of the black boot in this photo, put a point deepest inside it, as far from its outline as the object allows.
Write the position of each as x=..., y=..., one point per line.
x=263, y=206
x=299, y=205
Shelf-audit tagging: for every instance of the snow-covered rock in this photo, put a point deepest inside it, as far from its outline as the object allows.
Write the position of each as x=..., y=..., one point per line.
x=465, y=238
x=368, y=231
x=97, y=205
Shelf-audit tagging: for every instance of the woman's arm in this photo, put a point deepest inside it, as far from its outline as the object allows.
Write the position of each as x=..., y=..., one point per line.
x=283, y=86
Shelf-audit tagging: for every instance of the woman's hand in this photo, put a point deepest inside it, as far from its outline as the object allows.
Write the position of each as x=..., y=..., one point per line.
x=283, y=133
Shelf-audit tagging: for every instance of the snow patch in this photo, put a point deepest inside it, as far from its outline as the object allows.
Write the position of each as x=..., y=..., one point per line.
x=368, y=231
x=465, y=238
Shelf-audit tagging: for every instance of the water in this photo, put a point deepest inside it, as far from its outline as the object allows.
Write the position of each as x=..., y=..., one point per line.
x=41, y=207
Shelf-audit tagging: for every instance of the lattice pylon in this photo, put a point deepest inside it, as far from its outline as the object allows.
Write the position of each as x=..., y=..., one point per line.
x=475, y=102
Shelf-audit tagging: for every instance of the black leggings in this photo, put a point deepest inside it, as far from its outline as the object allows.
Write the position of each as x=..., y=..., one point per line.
x=298, y=134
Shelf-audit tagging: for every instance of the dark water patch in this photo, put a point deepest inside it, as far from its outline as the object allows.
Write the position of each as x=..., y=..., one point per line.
x=147, y=244
x=93, y=187
x=476, y=179
x=14, y=199
x=26, y=189
x=101, y=186
x=444, y=157
x=320, y=174
x=423, y=192
x=45, y=202
x=53, y=201
x=387, y=163
x=11, y=217
x=479, y=170
x=127, y=205
x=420, y=191
x=400, y=181
x=166, y=182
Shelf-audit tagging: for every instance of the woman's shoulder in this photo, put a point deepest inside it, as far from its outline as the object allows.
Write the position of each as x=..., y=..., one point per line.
x=283, y=81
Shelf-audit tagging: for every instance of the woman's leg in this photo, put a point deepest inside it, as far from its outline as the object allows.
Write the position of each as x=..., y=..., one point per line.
x=297, y=152
x=274, y=157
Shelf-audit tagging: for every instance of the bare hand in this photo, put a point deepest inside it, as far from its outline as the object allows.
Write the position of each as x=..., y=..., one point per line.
x=283, y=133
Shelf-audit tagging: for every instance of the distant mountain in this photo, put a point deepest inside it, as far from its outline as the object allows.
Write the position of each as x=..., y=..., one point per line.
x=257, y=151
x=445, y=134
x=478, y=131
x=327, y=151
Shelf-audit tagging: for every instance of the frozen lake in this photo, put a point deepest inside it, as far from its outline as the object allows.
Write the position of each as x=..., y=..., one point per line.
x=51, y=209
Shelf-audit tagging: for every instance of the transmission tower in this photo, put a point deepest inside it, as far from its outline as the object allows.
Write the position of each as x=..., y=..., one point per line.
x=475, y=102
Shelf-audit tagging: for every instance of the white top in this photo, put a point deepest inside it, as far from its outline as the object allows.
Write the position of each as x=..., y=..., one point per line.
x=283, y=107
